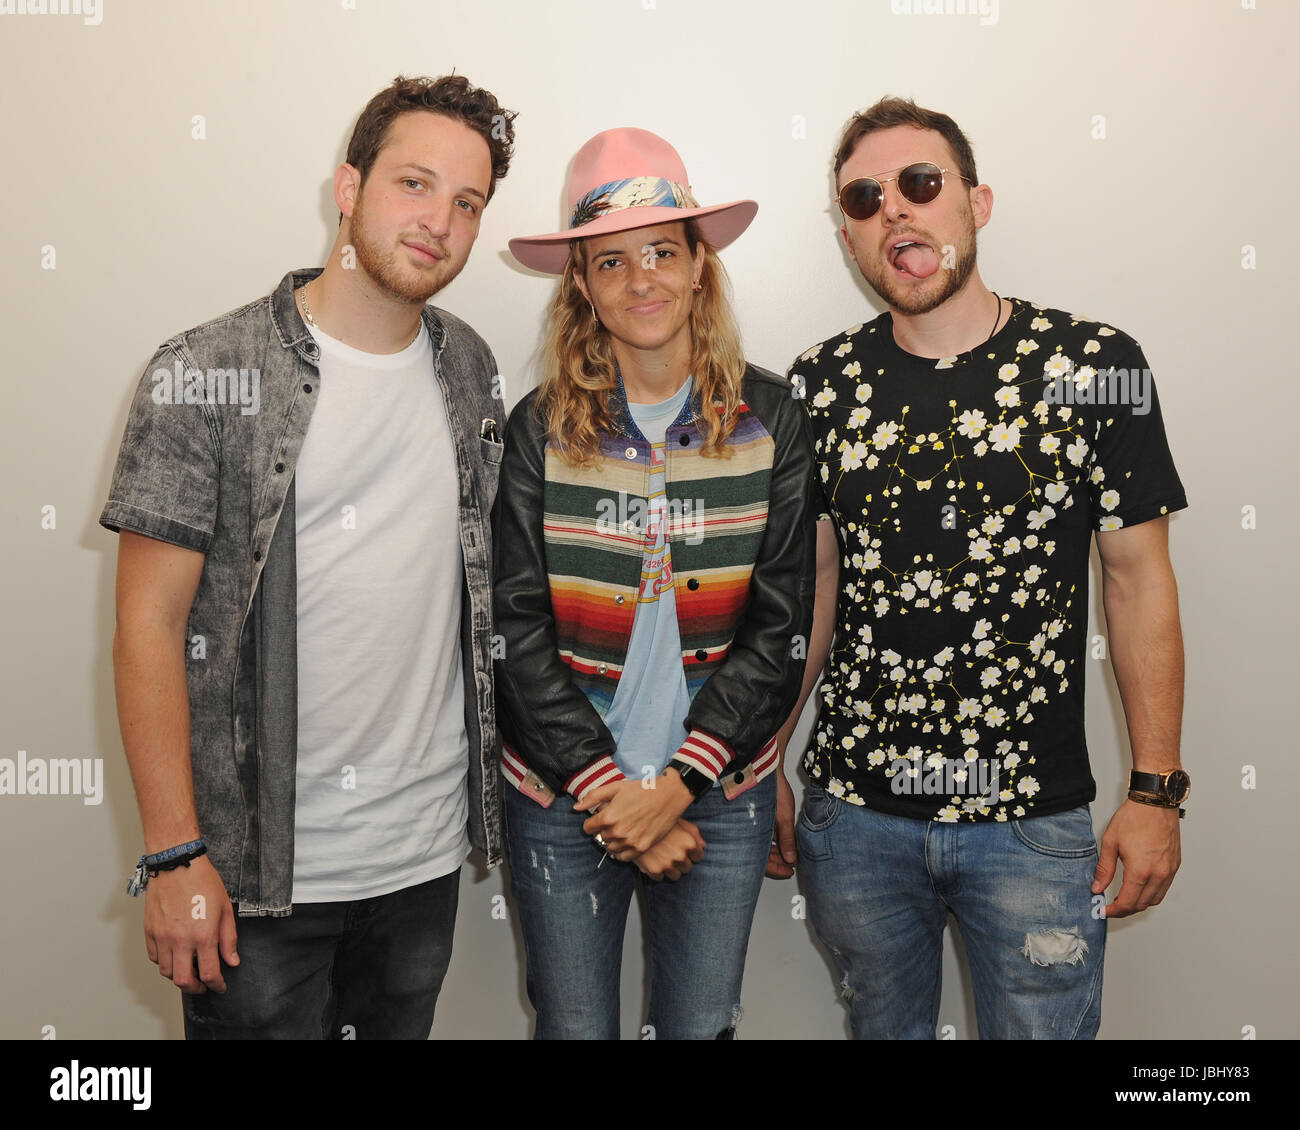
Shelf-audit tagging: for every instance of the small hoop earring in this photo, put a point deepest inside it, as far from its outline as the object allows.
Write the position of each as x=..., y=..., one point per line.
x=695, y=286
x=595, y=320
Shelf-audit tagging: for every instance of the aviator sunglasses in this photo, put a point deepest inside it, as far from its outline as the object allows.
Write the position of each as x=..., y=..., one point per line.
x=919, y=183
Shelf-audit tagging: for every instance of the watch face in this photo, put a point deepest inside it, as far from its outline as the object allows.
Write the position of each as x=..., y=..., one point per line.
x=1177, y=785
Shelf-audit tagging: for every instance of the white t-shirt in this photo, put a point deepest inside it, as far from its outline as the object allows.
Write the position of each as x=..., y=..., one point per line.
x=382, y=750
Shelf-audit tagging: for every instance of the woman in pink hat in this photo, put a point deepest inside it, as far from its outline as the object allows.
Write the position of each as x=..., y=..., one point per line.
x=654, y=541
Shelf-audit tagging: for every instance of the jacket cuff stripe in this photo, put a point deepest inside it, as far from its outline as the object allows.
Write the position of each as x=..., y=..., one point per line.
x=602, y=771
x=512, y=766
x=706, y=753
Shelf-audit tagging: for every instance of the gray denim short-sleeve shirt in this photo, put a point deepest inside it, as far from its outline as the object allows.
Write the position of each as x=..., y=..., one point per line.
x=207, y=463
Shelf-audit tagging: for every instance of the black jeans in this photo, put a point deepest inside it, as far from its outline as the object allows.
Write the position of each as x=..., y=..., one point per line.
x=369, y=969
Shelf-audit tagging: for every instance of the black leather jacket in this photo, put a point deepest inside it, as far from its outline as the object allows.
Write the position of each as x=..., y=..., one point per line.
x=543, y=711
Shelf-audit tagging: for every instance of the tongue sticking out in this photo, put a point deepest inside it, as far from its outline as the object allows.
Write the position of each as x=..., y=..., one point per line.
x=917, y=260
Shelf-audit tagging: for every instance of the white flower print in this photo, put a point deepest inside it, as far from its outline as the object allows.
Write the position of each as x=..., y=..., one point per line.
x=1011, y=546
x=852, y=369
x=1007, y=397
x=1004, y=437
x=1110, y=522
x=858, y=417
x=981, y=629
x=844, y=348
x=972, y=423
x=1109, y=499
x=885, y=434
x=1049, y=445
x=1076, y=451
x=962, y=601
x=853, y=456
x=1009, y=372
x=994, y=716
x=1057, y=365
x=990, y=677
x=1056, y=491
x=1039, y=518
x=824, y=398
x=1027, y=785
x=863, y=393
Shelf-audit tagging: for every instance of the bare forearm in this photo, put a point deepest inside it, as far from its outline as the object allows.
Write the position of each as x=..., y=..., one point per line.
x=819, y=646
x=153, y=712
x=1146, y=649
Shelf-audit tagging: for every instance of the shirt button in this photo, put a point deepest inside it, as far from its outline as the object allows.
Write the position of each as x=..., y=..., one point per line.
x=619, y=599
x=693, y=584
x=257, y=555
x=602, y=669
x=630, y=453
x=306, y=388
x=279, y=468
x=738, y=778
x=684, y=440
x=701, y=655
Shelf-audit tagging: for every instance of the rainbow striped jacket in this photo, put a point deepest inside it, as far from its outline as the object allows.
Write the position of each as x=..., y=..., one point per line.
x=568, y=552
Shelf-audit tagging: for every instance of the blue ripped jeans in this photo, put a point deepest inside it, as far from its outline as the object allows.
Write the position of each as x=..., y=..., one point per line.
x=879, y=891
x=574, y=914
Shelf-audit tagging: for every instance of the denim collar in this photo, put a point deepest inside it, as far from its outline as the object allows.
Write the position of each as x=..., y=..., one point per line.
x=621, y=415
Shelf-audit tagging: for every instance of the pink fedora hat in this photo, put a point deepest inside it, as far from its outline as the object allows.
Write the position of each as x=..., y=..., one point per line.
x=629, y=178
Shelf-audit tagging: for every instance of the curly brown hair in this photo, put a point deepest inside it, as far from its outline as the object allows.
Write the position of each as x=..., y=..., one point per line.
x=453, y=97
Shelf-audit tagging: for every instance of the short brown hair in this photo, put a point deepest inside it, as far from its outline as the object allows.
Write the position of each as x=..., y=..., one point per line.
x=890, y=112
x=453, y=97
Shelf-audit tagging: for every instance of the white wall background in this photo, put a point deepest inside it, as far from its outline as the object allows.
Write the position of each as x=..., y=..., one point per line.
x=154, y=231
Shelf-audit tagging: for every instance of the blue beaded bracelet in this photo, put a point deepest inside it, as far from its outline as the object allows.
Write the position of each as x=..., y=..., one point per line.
x=167, y=860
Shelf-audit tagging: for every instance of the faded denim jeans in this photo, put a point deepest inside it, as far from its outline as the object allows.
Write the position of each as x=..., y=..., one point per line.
x=367, y=969
x=879, y=891
x=573, y=909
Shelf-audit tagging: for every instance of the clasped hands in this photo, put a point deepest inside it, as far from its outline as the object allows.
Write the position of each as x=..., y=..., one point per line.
x=641, y=822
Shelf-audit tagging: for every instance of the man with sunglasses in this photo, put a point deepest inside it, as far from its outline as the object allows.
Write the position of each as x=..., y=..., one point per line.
x=969, y=446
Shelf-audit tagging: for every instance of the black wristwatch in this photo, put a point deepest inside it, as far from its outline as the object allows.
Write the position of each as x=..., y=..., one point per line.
x=698, y=782
x=1168, y=789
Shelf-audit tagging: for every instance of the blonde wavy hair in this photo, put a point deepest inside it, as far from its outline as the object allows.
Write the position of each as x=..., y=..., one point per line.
x=578, y=362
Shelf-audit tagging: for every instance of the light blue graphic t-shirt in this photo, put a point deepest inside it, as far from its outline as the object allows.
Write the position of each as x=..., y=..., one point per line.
x=647, y=716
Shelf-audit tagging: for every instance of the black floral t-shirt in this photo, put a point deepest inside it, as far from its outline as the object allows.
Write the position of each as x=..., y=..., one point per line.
x=965, y=492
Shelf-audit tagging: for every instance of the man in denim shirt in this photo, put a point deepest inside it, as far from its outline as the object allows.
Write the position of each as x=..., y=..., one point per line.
x=303, y=640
